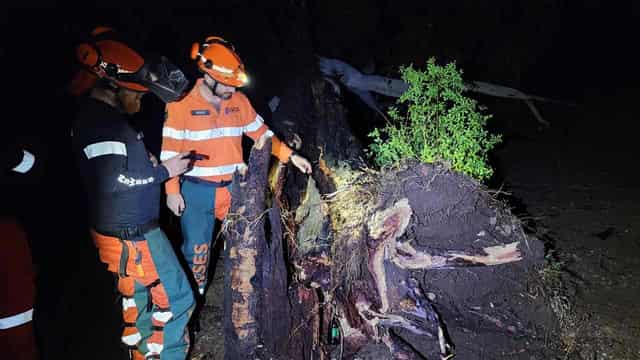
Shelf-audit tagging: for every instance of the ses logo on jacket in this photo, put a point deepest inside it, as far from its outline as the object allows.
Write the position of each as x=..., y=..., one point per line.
x=231, y=110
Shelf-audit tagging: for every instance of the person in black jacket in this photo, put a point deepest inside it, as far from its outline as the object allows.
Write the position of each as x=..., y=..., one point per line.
x=122, y=181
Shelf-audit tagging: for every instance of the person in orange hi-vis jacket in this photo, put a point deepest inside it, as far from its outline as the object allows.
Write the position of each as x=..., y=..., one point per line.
x=211, y=119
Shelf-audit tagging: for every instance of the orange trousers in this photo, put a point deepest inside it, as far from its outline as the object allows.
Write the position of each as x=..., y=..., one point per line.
x=157, y=299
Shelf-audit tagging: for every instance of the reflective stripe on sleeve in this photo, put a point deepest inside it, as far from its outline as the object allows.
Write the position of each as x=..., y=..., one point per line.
x=16, y=320
x=27, y=162
x=254, y=125
x=105, y=148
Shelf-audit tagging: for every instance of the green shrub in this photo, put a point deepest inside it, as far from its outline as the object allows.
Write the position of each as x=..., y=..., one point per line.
x=435, y=122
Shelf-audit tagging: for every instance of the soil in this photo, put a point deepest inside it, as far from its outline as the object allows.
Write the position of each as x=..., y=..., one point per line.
x=489, y=312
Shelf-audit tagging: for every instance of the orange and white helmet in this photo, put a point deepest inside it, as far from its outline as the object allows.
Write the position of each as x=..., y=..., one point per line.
x=110, y=58
x=218, y=58
x=115, y=61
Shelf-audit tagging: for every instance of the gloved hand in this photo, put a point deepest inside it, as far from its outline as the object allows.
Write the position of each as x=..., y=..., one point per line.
x=175, y=202
x=301, y=163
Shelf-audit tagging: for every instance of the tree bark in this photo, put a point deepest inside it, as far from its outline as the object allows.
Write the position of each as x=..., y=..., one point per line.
x=245, y=249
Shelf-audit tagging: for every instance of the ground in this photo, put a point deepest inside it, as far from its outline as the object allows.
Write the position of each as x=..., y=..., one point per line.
x=209, y=343
x=577, y=181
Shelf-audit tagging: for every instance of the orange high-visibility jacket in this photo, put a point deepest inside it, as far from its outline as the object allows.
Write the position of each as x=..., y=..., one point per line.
x=194, y=124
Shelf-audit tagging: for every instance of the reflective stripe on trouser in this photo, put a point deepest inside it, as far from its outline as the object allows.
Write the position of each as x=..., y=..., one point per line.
x=157, y=298
x=17, y=340
x=197, y=222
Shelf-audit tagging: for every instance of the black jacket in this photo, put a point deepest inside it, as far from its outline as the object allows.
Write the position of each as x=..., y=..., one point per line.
x=122, y=185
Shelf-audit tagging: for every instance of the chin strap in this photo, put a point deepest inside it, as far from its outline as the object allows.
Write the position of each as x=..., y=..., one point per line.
x=213, y=88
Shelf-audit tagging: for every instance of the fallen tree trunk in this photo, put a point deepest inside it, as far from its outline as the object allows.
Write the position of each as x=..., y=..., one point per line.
x=361, y=84
x=415, y=262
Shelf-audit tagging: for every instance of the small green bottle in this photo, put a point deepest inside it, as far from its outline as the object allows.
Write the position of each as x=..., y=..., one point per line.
x=334, y=332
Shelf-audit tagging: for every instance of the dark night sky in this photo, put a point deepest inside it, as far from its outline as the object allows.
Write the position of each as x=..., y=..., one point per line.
x=555, y=41
x=555, y=48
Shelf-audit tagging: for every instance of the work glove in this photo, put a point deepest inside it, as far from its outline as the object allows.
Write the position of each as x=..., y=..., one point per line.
x=301, y=163
x=175, y=202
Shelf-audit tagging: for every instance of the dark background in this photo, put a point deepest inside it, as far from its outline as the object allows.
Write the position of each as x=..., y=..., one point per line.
x=582, y=52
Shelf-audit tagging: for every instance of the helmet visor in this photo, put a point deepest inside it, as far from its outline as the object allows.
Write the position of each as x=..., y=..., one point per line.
x=162, y=78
